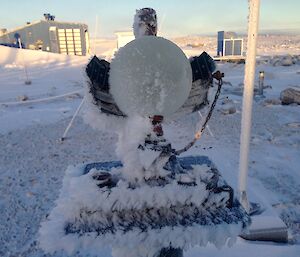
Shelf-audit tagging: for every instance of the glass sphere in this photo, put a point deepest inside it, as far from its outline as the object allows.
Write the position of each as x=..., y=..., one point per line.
x=150, y=76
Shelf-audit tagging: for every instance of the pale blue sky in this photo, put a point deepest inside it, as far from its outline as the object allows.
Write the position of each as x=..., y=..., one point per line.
x=176, y=17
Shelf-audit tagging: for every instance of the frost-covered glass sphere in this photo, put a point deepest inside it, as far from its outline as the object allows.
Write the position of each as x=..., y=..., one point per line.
x=150, y=76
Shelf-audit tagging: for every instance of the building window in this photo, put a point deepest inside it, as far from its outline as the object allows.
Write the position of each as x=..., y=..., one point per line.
x=70, y=41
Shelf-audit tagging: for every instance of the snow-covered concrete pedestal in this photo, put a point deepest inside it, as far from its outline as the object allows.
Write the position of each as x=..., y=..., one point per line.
x=142, y=219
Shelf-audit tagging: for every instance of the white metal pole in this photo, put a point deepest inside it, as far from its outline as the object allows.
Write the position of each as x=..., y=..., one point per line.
x=71, y=122
x=160, y=29
x=253, y=22
x=95, y=35
x=27, y=80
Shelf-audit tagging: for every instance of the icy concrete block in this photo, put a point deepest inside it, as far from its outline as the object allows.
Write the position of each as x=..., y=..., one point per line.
x=267, y=228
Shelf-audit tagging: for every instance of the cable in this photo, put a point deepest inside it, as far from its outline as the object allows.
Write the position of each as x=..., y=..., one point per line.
x=41, y=99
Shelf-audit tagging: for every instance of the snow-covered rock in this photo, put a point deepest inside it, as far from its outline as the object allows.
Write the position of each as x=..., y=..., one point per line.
x=22, y=98
x=287, y=60
x=272, y=101
x=228, y=107
x=290, y=96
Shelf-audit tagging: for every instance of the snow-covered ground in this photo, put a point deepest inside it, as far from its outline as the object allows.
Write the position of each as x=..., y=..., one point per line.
x=33, y=160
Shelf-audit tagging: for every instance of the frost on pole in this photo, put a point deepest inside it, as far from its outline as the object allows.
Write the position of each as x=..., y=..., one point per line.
x=150, y=76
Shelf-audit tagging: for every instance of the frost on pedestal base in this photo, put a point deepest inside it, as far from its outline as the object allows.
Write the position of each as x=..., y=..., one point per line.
x=97, y=210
